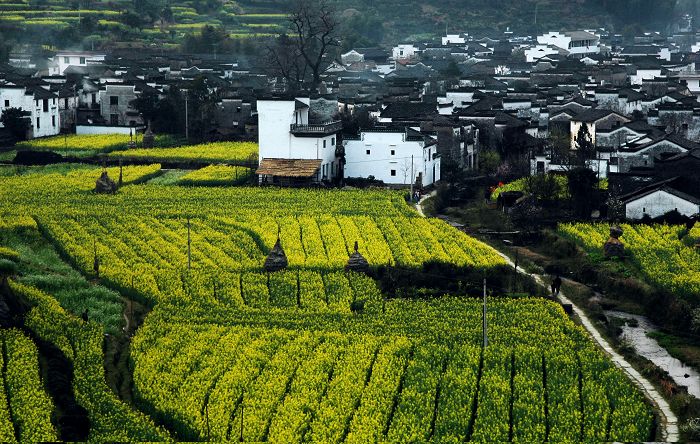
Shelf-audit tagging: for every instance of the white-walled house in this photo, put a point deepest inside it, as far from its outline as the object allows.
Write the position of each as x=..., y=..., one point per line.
x=642, y=74
x=285, y=135
x=660, y=198
x=394, y=156
x=39, y=102
x=63, y=59
x=453, y=39
x=536, y=52
x=404, y=51
x=578, y=43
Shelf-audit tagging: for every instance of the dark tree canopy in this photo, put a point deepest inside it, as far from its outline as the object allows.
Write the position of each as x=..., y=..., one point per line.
x=16, y=121
x=583, y=184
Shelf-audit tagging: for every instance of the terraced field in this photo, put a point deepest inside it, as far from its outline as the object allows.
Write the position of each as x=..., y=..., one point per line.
x=104, y=18
x=310, y=353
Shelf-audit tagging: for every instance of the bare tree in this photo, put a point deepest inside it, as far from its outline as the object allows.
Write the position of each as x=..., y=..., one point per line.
x=406, y=170
x=283, y=59
x=559, y=145
x=314, y=32
x=676, y=122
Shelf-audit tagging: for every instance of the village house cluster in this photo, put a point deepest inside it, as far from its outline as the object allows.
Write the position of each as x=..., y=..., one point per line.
x=404, y=115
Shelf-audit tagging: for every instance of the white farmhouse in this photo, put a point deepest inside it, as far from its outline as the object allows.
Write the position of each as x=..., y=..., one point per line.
x=578, y=43
x=63, y=59
x=660, y=198
x=40, y=104
x=395, y=156
x=291, y=149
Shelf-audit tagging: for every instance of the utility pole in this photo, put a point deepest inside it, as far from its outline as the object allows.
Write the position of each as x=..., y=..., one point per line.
x=189, y=246
x=206, y=416
x=187, y=121
x=486, y=340
x=240, y=439
x=411, y=176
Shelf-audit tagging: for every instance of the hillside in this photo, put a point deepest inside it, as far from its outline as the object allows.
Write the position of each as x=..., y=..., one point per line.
x=157, y=23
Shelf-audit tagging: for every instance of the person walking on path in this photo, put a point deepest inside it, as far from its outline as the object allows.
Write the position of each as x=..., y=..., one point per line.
x=556, y=286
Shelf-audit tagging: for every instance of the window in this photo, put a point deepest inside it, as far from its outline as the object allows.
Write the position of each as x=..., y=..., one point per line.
x=65, y=103
x=332, y=141
x=93, y=98
x=38, y=123
x=114, y=100
x=53, y=121
x=46, y=105
x=82, y=60
x=393, y=173
x=393, y=152
x=66, y=60
x=644, y=209
x=7, y=103
x=324, y=143
x=367, y=152
x=114, y=119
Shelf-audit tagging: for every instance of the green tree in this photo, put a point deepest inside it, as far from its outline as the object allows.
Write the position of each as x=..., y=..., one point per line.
x=489, y=161
x=585, y=149
x=543, y=187
x=16, y=121
x=583, y=184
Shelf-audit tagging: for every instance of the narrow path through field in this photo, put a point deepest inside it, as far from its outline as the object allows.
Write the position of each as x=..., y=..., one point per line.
x=668, y=421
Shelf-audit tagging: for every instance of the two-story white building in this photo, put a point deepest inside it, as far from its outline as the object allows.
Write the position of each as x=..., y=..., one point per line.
x=577, y=43
x=40, y=104
x=291, y=148
x=394, y=156
x=63, y=59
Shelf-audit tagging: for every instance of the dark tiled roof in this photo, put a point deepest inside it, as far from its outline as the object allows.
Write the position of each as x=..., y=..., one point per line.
x=675, y=185
x=408, y=110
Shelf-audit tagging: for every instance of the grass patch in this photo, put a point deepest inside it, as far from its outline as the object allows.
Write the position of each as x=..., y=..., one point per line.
x=7, y=156
x=41, y=266
x=169, y=177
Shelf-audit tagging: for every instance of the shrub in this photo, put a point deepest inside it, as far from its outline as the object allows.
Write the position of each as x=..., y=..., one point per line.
x=7, y=267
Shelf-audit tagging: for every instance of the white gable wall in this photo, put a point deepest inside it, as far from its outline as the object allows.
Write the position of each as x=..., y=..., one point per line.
x=659, y=203
x=276, y=141
x=380, y=162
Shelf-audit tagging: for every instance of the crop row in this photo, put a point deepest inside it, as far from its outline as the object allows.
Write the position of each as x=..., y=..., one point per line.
x=290, y=384
x=216, y=175
x=215, y=152
x=110, y=418
x=65, y=194
x=150, y=255
x=25, y=407
x=95, y=143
